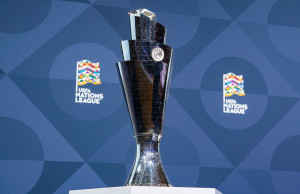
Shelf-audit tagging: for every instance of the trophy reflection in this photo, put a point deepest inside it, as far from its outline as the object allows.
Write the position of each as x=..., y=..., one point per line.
x=145, y=75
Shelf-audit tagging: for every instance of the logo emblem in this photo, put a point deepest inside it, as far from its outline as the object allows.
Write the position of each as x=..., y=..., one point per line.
x=158, y=54
x=233, y=85
x=87, y=72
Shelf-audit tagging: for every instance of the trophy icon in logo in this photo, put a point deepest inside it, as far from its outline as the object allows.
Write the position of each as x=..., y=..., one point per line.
x=145, y=74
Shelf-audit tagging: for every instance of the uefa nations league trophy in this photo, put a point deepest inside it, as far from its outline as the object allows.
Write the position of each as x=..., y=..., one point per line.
x=145, y=74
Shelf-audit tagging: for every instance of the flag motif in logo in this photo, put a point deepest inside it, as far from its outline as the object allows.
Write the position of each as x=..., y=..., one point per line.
x=88, y=72
x=233, y=84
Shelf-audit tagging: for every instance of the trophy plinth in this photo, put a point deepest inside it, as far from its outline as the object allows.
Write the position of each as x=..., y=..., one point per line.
x=145, y=76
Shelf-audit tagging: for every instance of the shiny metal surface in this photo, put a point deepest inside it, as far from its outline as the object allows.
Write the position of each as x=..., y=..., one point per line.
x=147, y=30
x=145, y=87
x=145, y=76
x=135, y=50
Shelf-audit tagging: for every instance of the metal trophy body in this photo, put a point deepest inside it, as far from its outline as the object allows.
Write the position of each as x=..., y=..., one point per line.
x=145, y=74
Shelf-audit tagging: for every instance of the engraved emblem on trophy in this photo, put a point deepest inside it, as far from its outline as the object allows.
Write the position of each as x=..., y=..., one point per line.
x=145, y=73
x=157, y=54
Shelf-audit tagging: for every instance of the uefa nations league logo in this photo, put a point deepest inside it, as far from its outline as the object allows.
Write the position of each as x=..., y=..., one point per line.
x=233, y=85
x=87, y=73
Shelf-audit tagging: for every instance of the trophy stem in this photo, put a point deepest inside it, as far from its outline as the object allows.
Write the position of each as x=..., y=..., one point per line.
x=148, y=169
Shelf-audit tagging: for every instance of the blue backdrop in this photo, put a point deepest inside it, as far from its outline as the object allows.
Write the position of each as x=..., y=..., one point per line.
x=50, y=144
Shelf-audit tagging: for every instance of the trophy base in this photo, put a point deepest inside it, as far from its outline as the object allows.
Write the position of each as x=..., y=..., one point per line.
x=147, y=169
x=147, y=190
x=158, y=185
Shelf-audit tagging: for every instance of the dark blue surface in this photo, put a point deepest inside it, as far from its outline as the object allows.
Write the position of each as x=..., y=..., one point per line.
x=49, y=144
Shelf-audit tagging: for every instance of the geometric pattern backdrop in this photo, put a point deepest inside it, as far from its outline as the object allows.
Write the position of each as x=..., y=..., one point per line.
x=50, y=144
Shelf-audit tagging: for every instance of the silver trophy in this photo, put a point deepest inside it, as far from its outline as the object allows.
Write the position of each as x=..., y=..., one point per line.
x=145, y=74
